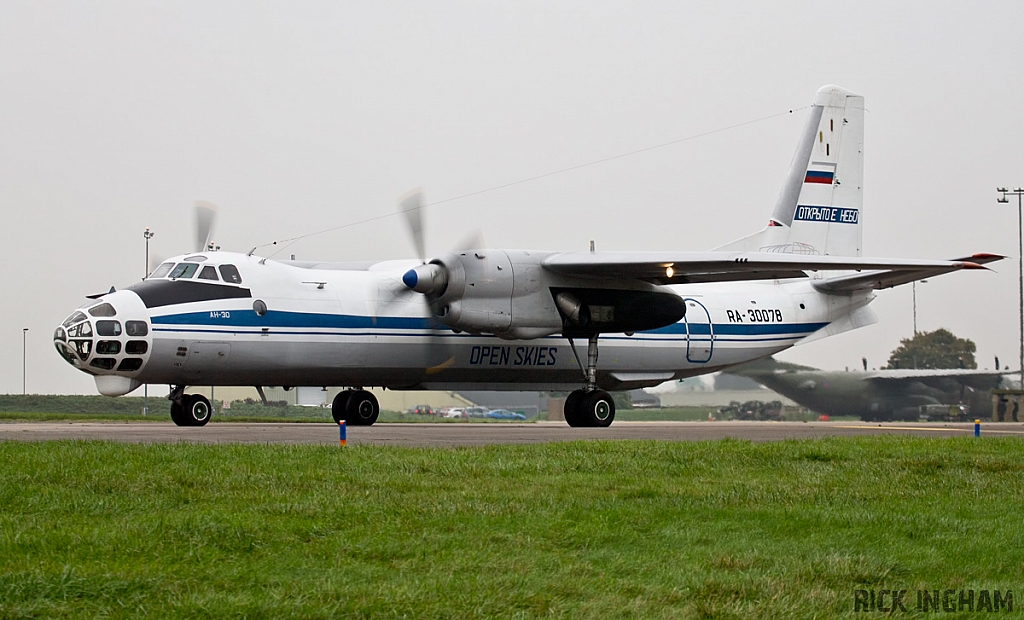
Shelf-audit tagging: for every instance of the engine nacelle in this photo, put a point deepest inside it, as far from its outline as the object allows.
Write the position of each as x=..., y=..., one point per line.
x=508, y=293
x=492, y=291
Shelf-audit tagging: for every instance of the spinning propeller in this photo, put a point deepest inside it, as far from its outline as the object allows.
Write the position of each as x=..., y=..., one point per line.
x=204, y=218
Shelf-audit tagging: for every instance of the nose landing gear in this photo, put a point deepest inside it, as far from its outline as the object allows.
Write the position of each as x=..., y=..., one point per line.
x=189, y=409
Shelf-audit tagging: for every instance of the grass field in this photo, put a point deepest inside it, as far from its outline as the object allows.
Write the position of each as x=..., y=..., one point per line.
x=587, y=529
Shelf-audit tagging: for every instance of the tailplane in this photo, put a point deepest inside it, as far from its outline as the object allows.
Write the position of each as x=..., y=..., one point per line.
x=819, y=208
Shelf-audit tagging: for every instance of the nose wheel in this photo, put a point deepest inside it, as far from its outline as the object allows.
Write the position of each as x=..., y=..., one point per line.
x=189, y=409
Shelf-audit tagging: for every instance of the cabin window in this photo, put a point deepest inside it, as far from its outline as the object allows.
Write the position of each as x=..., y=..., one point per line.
x=183, y=270
x=162, y=270
x=208, y=273
x=136, y=328
x=108, y=328
x=259, y=307
x=230, y=274
x=136, y=347
x=130, y=364
x=108, y=347
x=105, y=363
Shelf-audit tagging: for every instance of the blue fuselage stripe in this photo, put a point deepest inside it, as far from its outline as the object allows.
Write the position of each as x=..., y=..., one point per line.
x=245, y=321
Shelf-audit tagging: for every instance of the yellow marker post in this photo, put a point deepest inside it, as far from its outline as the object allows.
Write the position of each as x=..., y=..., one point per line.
x=977, y=428
x=341, y=432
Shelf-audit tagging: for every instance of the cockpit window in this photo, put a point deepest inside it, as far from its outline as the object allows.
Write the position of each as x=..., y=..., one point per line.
x=108, y=328
x=65, y=352
x=74, y=318
x=108, y=347
x=136, y=328
x=230, y=274
x=103, y=309
x=83, y=348
x=195, y=259
x=130, y=365
x=183, y=270
x=162, y=270
x=208, y=273
x=84, y=330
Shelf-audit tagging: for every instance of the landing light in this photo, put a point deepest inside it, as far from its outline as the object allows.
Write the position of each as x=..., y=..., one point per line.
x=669, y=271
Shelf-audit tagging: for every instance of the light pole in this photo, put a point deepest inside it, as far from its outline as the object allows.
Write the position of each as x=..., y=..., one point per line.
x=145, y=388
x=148, y=235
x=24, y=371
x=1018, y=192
x=913, y=287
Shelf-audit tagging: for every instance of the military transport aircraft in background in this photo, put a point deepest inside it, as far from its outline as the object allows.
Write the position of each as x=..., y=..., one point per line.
x=877, y=395
x=490, y=319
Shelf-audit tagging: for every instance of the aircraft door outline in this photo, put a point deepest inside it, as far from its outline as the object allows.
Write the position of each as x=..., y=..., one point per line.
x=700, y=332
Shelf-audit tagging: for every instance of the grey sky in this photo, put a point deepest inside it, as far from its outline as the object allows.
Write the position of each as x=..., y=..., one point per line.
x=296, y=117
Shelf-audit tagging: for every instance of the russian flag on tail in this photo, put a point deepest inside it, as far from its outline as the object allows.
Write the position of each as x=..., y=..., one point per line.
x=819, y=176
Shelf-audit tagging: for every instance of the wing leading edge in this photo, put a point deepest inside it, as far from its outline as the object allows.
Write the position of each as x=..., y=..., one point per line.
x=936, y=378
x=698, y=267
x=894, y=277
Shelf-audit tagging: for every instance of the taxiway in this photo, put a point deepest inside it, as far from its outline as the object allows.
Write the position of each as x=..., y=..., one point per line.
x=458, y=434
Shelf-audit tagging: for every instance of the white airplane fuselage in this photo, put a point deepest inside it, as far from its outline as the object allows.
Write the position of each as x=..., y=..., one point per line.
x=502, y=319
x=364, y=327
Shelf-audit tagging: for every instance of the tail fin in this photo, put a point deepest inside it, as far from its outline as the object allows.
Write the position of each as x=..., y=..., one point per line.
x=819, y=208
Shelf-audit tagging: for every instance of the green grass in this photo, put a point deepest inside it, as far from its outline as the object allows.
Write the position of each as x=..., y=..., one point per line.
x=724, y=529
x=666, y=414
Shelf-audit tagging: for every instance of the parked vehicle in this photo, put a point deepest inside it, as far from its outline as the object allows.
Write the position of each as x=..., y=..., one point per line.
x=504, y=414
x=422, y=410
x=476, y=412
x=453, y=412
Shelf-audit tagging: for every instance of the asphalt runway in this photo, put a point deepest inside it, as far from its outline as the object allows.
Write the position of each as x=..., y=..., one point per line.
x=458, y=434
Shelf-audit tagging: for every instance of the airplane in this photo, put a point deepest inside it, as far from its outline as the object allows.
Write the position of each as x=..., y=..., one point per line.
x=875, y=395
x=493, y=319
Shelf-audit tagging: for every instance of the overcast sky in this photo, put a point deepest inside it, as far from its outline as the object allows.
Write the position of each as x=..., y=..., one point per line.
x=295, y=117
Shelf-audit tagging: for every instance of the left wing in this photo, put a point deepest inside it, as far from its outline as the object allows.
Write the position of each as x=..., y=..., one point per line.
x=694, y=267
x=894, y=277
x=978, y=379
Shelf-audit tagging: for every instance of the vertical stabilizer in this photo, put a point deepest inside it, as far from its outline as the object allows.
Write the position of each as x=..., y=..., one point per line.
x=819, y=207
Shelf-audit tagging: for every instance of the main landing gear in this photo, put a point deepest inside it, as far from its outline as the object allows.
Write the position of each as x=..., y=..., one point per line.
x=589, y=406
x=189, y=409
x=356, y=407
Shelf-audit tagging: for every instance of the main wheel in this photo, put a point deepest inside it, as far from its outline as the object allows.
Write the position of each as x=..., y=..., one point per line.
x=571, y=410
x=340, y=406
x=597, y=409
x=197, y=410
x=362, y=408
x=178, y=414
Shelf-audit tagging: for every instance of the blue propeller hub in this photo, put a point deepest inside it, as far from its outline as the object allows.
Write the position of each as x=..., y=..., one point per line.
x=410, y=278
